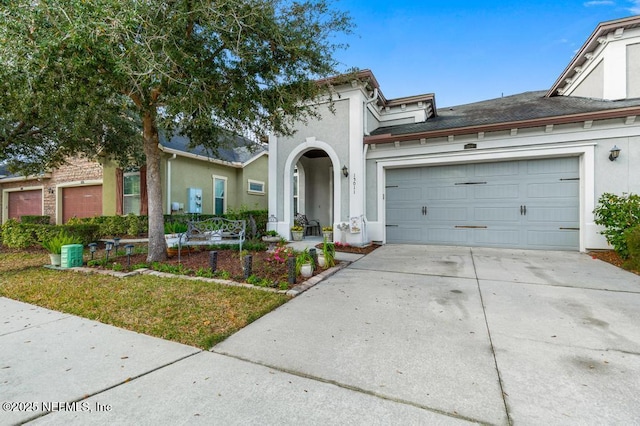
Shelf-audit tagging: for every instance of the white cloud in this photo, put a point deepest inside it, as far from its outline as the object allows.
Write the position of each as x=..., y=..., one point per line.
x=635, y=8
x=600, y=3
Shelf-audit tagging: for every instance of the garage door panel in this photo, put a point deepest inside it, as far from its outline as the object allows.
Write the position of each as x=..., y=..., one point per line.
x=445, y=193
x=553, y=214
x=81, y=201
x=445, y=172
x=25, y=203
x=497, y=169
x=447, y=213
x=404, y=175
x=447, y=235
x=497, y=237
x=403, y=194
x=558, y=189
x=401, y=215
x=496, y=192
x=396, y=234
x=496, y=214
x=553, y=166
x=550, y=239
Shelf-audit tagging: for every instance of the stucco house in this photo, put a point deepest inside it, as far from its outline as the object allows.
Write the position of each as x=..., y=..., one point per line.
x=193, y=179
x=73, y=189
x=522, y=171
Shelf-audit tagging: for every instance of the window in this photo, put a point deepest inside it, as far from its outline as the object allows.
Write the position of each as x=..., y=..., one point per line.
x=131, y=193
x=219, y=195
x=296, y=198
x=256, y=187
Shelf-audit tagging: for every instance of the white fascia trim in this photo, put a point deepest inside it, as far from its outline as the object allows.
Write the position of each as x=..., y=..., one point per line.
x=585, y=151
x=199, y=157
x=79, y=183
x=252, y=159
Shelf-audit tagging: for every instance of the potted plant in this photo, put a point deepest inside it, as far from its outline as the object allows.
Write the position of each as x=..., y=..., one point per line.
x=326, y=258
x=172, y=232
x=327, y=233
x=54, y=246
x=304, y=263
x=297, y=233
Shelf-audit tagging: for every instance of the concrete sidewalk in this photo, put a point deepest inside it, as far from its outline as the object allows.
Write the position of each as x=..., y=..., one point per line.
x=405, y=335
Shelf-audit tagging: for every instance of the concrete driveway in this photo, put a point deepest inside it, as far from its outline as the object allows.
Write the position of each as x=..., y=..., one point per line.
x=483, y=335
x=406, y=335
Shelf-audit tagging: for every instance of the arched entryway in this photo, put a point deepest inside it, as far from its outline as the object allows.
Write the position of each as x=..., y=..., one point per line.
x=312, y=183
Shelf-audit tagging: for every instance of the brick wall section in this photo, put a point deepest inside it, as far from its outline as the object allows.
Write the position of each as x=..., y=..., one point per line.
x=76, y=170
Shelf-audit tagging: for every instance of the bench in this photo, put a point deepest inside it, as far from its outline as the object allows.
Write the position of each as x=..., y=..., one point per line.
x=215, y=230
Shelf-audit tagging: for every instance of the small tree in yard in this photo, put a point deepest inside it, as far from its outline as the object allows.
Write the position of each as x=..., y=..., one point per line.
x=104, y=77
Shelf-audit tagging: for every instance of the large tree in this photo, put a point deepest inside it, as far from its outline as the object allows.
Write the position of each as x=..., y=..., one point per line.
x=106, y=76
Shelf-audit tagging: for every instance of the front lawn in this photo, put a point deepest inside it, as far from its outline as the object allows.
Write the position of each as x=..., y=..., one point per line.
x=195, y=313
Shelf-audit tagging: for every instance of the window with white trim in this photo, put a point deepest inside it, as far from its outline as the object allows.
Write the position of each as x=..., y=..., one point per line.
x=296, y=197
x=255, y=187
x=131, y=193
x=219, y=195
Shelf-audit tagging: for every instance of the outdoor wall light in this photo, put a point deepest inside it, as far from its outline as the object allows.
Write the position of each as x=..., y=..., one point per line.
x=614, y=153
x=345, y=171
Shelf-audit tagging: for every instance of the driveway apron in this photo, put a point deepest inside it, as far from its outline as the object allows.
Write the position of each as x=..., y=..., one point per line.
x=473, y=334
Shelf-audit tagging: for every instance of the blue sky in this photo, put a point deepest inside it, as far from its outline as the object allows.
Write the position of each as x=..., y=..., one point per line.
x=468, y=51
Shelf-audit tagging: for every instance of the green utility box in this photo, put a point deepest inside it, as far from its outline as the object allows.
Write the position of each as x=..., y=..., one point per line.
x=71, y=256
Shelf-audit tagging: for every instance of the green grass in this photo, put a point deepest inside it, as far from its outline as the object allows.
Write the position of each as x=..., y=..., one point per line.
x=191, y=312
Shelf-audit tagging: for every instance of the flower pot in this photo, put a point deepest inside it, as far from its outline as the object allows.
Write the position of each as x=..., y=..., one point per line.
x=321, y=261
x=56, y=259
x=297, y=235
x=327, y=235
x=306, y=270
x=173, y=251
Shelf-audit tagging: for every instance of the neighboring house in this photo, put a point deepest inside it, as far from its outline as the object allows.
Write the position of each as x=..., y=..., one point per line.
x=193, y=180
x=73, y=189
x=521, y=171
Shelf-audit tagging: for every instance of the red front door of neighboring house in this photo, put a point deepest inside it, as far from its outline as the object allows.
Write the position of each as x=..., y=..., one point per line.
x=81, y=201
x=25, y=203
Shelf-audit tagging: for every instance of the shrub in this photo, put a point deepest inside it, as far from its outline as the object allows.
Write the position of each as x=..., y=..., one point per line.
x=18, y=235
x=35, y=220
x=632, y=237
x=54, y=244
x=617, y=214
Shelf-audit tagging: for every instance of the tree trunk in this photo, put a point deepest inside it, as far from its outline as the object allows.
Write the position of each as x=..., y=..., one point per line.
x=157, y=244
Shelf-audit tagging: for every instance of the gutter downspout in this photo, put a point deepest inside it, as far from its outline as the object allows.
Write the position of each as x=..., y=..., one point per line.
x=173, y=157
x=364, y=163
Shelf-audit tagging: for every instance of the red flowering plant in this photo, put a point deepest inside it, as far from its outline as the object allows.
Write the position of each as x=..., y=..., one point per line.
x=280, y=254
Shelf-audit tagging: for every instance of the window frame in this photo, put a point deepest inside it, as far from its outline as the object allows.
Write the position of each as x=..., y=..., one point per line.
x=258, y=182
x=224, y=195
x=125, y=195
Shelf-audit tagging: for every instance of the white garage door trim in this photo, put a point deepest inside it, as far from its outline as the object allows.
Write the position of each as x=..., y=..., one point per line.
x=5, y=198
x=585, y=152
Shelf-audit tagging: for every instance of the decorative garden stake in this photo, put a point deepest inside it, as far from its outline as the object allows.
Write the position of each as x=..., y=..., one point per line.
x=93, y=247
x=314, y=256
x=213, y=261
x=291, y=269
x=116, y=244
x=248, y=260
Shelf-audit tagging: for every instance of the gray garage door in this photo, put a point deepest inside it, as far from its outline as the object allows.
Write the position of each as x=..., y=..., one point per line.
x=516, y=204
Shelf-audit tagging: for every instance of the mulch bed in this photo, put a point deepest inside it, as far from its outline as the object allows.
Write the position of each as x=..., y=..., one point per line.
x=352, y=249
x=228, y=261
x=611, y=257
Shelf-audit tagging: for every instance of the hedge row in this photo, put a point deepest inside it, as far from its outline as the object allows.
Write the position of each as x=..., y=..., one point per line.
x=32, y=230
